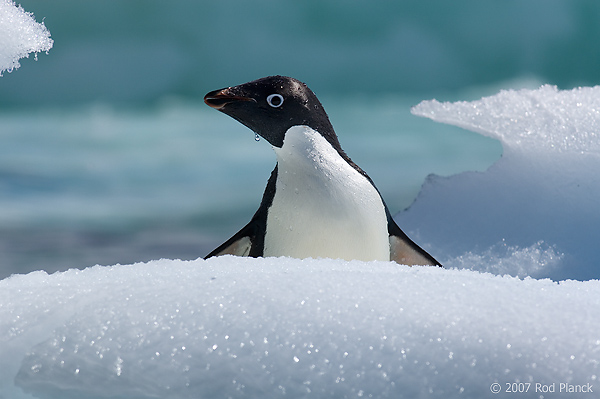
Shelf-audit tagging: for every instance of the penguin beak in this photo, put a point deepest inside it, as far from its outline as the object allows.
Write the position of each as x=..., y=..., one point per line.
x=219, y=98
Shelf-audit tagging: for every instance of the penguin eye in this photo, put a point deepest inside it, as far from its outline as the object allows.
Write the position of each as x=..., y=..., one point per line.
x=275, y=100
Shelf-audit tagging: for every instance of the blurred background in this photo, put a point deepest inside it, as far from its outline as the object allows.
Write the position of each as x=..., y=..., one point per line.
x=108, y=154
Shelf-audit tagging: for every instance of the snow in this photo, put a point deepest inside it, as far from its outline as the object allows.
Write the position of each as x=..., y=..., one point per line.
x=275, y=327
x=534, y=212
x=20, y=35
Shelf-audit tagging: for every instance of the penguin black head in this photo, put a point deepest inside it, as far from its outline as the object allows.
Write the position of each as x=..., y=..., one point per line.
x=271, y=105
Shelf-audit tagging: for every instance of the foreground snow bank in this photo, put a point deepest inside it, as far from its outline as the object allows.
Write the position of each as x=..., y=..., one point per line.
x=275, y=327
x=533, y=213
x=20, y=35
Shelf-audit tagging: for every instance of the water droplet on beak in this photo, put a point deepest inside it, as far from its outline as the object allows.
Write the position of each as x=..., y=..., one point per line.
x=256, y=137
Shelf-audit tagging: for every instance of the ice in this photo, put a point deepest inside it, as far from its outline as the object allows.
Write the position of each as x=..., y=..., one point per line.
x=232, y=327
x=534, y=212
x=281, y=327
x=20, y=35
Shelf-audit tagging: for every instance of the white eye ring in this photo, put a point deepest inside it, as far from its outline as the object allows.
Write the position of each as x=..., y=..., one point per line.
x=275, y=100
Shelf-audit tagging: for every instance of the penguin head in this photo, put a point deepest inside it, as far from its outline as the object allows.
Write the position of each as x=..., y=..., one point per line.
x=271, y=105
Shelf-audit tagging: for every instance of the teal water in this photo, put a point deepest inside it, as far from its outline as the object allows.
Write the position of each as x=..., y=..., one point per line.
x=140, y=51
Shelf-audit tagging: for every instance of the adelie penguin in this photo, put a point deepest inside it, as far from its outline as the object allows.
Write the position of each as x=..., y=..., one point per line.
x=318, y=203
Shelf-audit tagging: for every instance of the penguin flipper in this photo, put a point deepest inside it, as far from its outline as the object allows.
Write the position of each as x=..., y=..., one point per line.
x=239, y=245
x=249, y=241
x=404, y=251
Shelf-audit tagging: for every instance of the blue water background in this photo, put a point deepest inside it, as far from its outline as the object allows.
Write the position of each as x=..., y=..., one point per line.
x=109, y=156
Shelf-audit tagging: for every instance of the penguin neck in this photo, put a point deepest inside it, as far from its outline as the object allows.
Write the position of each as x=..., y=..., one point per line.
x=323, y=206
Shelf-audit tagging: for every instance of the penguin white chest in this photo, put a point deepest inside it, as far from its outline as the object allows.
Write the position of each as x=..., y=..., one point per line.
x=322, y=206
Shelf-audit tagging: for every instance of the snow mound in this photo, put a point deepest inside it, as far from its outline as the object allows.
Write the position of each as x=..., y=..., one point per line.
x=546, y=119
x=281, y=327
x=538, y=202
x=20, y=35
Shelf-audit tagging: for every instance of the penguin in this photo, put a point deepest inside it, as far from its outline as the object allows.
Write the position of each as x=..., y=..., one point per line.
x=318, y=203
